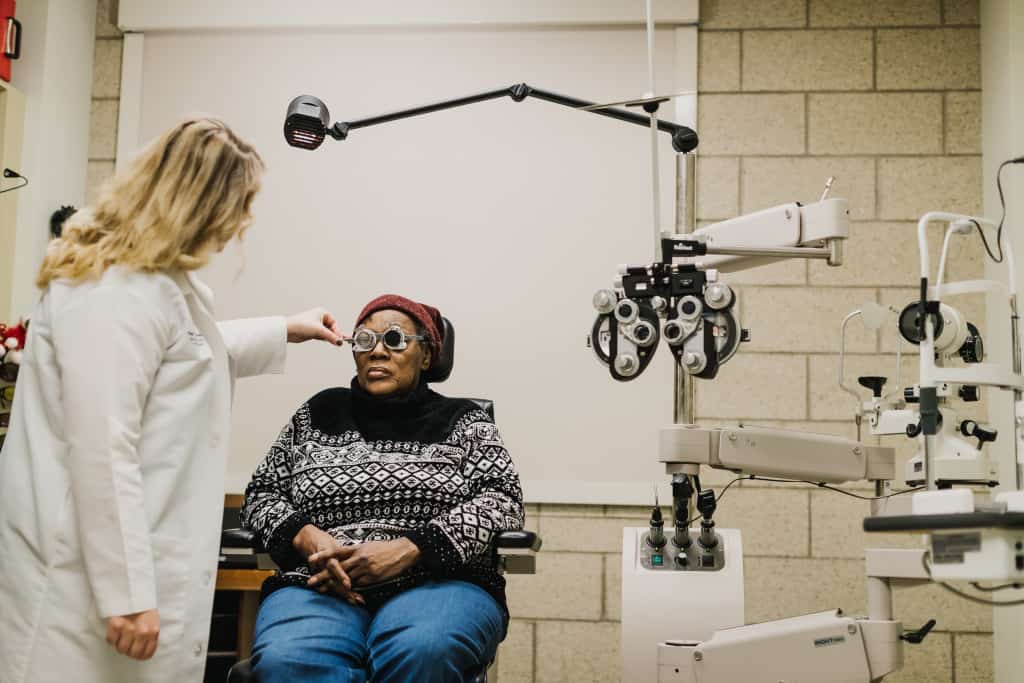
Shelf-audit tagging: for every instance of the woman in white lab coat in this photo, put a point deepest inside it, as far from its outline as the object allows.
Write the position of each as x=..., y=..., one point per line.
x=112, y=474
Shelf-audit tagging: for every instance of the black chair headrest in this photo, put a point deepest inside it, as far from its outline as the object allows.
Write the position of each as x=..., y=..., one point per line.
x=442, y=367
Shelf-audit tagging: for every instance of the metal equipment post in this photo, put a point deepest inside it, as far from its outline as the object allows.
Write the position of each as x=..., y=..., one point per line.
x=686, y=222
x=683, y=386
x=1015, y=350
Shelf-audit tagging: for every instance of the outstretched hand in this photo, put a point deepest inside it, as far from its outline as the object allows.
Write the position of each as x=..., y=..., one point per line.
x=316, y=323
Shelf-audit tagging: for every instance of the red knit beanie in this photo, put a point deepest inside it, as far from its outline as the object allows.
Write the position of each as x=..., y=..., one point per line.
x=428, y=317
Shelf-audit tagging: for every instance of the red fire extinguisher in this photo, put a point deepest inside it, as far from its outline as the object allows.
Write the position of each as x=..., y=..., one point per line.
x=11, y=38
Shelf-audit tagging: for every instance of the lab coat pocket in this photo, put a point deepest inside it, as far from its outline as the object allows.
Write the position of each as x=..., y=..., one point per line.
x=171, y=572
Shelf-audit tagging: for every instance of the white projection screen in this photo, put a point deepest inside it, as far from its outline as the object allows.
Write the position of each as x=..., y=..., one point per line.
x=506, y=216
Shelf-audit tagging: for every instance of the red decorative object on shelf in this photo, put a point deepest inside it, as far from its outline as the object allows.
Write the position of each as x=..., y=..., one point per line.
x=12, y=343
x=11, y=29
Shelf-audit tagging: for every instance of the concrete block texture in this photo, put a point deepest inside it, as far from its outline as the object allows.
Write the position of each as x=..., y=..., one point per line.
x=613, y=587
x=756, y=385
x=97, y=173
x=751, y=124
x=963, y=123
x=515, y=656
x=874, y=13
x=585, y=534
x=800, y=319
x=929, y=662
x=875, y=123
x=106, y=69
x=807, y=60
x=787, y=272
x=785, y=587
x=837, y=528
x=974, y=658
x=885, y=254
x=928, y=59
x=774, y=522
x=718, y=187
x=106, y=19
x=914, y=606
x=965, y=12
x=909, y=187
x=578, y=651
x=717, y=14
x=103, y=130
x=718, y=61
x=566, y=586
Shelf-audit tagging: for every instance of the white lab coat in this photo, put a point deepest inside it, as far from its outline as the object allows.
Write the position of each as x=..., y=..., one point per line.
x=112, y=475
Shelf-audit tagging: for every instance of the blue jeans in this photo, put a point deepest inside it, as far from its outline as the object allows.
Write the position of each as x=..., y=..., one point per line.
x=438, y=632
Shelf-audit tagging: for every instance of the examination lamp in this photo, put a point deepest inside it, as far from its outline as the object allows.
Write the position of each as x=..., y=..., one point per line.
x=308, y=120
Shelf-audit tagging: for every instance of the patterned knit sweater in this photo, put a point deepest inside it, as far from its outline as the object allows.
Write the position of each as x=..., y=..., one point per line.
x=423, y=466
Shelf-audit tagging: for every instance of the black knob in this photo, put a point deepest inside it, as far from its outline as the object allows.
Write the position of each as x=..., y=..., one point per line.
x=873, y=383
x=915, y=637
x=973, y=349
x=706, y=503
x=969, y=393
x=982, y=433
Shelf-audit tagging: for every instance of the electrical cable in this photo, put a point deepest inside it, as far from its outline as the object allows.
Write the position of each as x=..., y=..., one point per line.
x=718, y=497
x=967, y=596
x=993, y=589
x=1002, y=218
x=17, y=187
x=823, y=485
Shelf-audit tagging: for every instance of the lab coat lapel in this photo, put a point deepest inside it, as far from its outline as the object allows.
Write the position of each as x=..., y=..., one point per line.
x=200, y=304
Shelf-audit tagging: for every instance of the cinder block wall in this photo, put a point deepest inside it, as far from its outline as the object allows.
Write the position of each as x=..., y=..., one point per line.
x=883, y=95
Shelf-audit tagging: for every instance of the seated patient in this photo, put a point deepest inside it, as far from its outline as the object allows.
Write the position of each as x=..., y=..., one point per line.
x=379, y=503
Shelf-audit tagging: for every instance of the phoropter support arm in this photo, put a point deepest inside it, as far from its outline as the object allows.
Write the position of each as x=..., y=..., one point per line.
x=684, y=139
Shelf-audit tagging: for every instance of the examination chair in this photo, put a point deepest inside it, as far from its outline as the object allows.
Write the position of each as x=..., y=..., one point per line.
x=514, y=552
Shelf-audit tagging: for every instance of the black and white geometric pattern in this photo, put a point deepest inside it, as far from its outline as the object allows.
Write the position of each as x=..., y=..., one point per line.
x=449, y=496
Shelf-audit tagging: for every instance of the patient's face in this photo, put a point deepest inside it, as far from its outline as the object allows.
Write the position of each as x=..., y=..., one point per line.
x=382, y=371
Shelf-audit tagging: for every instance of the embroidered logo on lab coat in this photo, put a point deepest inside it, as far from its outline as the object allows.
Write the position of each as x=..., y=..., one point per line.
x=196, y=338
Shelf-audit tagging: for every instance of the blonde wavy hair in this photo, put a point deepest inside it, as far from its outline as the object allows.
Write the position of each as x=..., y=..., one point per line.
x=184, y=198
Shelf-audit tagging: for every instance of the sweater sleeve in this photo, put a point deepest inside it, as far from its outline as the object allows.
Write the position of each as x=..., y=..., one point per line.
x=268, y=509
x=495, y=502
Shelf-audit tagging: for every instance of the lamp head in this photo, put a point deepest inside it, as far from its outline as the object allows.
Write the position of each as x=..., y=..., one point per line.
x=306, y=123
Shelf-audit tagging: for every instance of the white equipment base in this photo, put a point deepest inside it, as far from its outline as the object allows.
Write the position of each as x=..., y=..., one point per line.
x=813, y=648
x=663, y=604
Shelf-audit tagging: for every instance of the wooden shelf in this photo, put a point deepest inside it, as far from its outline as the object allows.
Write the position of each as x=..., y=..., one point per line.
x=242, y=579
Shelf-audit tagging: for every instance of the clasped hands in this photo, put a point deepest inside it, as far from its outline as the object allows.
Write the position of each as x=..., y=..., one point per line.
x=341, y=569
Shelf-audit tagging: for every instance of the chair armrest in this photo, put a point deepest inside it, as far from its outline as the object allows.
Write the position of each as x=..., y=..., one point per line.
x=242, y=542
x=517, y=551
x=519, y=540
x=240, y=538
